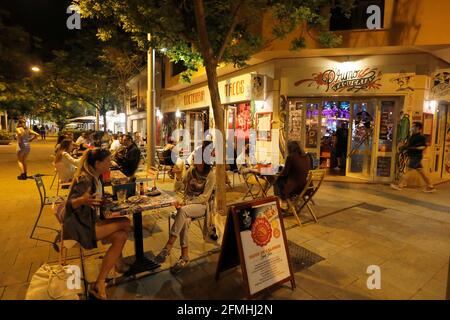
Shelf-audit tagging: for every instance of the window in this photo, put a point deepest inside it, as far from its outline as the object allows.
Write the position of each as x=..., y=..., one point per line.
x=177, y=68
x=358, y=18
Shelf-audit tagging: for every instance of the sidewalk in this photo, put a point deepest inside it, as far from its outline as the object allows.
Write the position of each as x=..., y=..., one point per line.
x=406, y=233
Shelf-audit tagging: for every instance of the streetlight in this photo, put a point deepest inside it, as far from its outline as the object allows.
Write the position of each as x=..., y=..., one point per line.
x=35, y=69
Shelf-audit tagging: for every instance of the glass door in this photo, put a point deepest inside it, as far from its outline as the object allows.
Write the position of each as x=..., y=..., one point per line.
x=312, y=132
x=361, y=131
x=446, y=160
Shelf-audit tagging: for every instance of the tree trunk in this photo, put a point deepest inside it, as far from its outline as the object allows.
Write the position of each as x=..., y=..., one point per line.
x=210, y=63
x=219, y=125
x=104, y=121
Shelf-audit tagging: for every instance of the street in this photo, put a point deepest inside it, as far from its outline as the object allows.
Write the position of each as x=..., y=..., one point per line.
x=406, y=234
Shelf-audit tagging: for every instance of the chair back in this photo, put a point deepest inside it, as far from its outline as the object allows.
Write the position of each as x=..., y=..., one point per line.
x=315, y=179
x=41, y=188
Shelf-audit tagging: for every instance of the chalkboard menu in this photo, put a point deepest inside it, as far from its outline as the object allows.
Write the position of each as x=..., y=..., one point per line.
x=384, y=167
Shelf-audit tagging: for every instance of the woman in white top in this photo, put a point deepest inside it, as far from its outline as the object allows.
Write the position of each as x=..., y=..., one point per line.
x=65, y=164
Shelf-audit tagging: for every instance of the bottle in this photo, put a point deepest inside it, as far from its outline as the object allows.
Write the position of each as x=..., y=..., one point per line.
x=141, y=189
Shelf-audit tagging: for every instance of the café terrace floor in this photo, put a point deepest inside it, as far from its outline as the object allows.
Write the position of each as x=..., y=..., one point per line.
x=407, y=234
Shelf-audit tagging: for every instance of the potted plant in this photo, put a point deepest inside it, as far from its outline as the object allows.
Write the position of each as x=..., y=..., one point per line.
x=5, y=137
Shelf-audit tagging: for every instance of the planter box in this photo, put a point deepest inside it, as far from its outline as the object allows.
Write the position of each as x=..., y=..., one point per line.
x=5, y=142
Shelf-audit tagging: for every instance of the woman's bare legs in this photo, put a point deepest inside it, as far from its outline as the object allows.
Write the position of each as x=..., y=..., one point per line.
x=117, y=233
x=21, y=162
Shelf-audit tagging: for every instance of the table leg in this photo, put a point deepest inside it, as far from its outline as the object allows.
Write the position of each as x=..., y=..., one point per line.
x=141, y=263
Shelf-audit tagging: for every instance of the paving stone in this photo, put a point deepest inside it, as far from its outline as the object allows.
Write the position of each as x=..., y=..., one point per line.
x=16, y=292
x=20, y=275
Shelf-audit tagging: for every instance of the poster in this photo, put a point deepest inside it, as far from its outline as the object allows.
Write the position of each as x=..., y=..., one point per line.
x=295, y=125
x=263, y=246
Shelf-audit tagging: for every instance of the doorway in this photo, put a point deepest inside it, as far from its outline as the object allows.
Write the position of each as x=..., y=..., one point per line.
x=350, y=137
x=441, y=163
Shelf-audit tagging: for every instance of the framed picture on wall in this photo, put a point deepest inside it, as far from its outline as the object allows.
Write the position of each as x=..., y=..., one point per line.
x=264, y=126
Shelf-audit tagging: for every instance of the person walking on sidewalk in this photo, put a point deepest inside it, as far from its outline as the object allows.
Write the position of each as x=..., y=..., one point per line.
x=414, y=148
x=24, y=137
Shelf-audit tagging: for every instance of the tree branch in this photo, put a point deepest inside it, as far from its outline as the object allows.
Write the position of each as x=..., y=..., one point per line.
x=227, y=39
x=205, y=45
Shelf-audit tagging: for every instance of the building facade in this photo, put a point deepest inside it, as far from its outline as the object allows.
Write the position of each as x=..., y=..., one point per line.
x=366, y=92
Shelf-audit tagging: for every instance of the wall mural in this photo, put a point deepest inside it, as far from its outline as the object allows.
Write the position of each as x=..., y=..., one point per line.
x=403, y=81
x=283, y=115
x=349, y=81
x=440, y=85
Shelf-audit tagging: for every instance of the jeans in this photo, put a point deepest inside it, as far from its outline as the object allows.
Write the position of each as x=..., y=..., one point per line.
x=182, y=220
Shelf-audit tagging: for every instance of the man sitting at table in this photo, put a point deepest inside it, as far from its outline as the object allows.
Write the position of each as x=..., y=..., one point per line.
x=292, y=179
x=199, y=184
x=128, y=162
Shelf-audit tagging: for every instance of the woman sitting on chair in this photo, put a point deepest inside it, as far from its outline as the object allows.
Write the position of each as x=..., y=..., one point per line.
x=65, y=164
x=81, y=220
x=292, y=178
x=199, y=184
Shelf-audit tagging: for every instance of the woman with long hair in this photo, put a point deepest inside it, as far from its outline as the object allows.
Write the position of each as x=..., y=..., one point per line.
x=65, y=164
x=24, y=137
x=81, y=220
x=199, y=184
x=292, y=178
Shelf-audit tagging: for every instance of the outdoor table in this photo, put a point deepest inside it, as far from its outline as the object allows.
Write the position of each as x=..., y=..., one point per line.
x=145, y=203
x=269, y=175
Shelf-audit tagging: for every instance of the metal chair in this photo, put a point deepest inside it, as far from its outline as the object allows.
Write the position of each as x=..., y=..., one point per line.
x=252, y=184
x=298, y=202
x=45, y=201
x=162, y=164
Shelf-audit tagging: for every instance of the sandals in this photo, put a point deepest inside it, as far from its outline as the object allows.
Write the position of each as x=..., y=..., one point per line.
x=180, y=265
x=93, y=292
x=162, y=256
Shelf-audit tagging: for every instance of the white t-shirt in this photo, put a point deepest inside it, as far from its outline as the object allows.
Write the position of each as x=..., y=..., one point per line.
x=66, y=167
x=115, y=145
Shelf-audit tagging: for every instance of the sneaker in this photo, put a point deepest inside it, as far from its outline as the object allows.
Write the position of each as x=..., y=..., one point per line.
x=429, y=190
x=22, y=177
x=396, y=187
x=180, y=265
x=162, y=256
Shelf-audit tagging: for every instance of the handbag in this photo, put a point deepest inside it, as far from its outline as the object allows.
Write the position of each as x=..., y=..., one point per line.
x=51, y=282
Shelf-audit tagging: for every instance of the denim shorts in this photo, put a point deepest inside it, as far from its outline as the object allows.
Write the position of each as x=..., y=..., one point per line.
x=415, y=163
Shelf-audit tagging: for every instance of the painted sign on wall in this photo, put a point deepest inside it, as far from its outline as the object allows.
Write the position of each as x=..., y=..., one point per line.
x=341, y=80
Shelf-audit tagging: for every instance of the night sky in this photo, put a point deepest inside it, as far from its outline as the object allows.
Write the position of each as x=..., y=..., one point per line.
x=45, y=19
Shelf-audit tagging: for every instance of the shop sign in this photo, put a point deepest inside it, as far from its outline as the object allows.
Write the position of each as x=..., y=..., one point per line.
x=194, y=97
x=235, y=89
x=341, y=80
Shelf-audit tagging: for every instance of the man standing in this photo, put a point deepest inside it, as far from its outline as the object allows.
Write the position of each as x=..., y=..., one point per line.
x=341, y=146
x=414, y=148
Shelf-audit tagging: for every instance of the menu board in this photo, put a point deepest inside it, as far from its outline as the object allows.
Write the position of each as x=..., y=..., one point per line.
x=264, y=125
x=384, y=167
x=260, y=242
